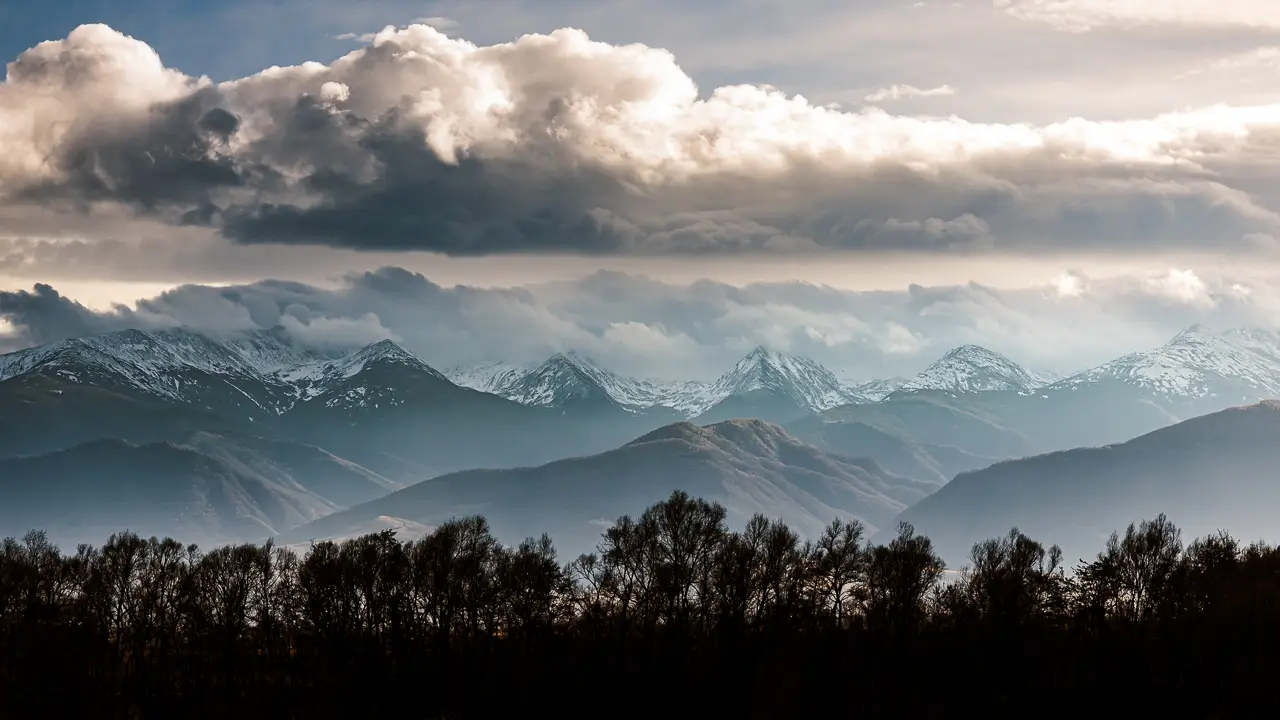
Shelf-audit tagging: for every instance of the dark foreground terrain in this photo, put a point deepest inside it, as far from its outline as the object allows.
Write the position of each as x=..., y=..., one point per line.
x=674, y=616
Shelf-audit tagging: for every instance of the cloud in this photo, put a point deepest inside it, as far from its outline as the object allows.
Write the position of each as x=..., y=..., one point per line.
x=561, y=144
x=43, y=315
x=640, y=326
x=898, y=92
x=436, y=21
x=1085, y=15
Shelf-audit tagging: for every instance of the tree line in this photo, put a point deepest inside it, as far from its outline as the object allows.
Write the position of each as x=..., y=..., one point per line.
x=675, y=613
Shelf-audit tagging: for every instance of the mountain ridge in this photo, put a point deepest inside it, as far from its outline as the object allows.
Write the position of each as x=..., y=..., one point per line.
x=748, y=465
x=1202, y=472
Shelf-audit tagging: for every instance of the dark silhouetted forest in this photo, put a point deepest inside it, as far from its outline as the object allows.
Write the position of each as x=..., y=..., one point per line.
x=675, y=615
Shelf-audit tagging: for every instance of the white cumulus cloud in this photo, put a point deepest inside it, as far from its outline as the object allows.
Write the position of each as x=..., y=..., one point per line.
x=559, y=143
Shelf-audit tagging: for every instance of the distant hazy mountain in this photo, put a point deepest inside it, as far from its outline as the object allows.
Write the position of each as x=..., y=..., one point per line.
x=747, y=465
x=1241, y=365
x=207, y=488
x=764, y=384
x=894, y=449
x=235, y=378
x=977, y=424
x=1196, y=372
x=379, y=405
x=401, y=417
x=773, y=386
x=875, y=390
x=41, y=413
x=572, y=381
x=1213, y=472
x=971, y=369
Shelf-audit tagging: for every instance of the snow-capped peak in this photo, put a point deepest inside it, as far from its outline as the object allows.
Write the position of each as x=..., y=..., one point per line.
x=568, y=377
x=262, y=371
x=313, y=377
x=972, y=368
x=489, y=377
x=1241, y=364
x=807, y=382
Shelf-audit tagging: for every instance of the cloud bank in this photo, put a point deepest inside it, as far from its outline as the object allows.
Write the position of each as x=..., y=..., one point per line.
x=644, y=327
x=560, y=144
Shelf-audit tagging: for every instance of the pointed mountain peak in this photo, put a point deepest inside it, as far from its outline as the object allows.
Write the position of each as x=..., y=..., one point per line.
x=568, y=362
x=761, y=354
x=971, y=353
x=806, y=382
x=570, y=357
x=385, y=346
x=1195, y=333
x=973, y=368
x=562, y=378
x=384, y=352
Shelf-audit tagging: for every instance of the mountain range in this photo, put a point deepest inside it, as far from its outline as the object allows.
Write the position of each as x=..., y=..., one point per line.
x=379, y=405
x=248, y=435
x=764, y=383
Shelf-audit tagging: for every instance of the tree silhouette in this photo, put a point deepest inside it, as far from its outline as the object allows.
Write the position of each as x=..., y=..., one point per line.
x=673, y=614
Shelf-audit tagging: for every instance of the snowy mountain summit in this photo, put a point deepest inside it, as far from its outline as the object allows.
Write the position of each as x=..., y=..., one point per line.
x=572, y=377
x=1236, y=365
x=809, y=384
x=972, y=368
x=566, y=378
x=259, y=374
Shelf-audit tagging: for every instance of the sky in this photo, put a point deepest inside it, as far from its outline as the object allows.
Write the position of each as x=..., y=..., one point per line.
x=662, y=184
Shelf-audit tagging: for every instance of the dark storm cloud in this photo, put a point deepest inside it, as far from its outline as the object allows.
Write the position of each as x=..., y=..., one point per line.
x=557, y=144
x=42, y=315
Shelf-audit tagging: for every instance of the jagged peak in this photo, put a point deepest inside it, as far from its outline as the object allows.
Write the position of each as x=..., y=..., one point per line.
x=1196, y=332
x=971, y=351
x=974, y=368
x=573, y=358
x=763, y=354
x=386, y=351
x=568, y=362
